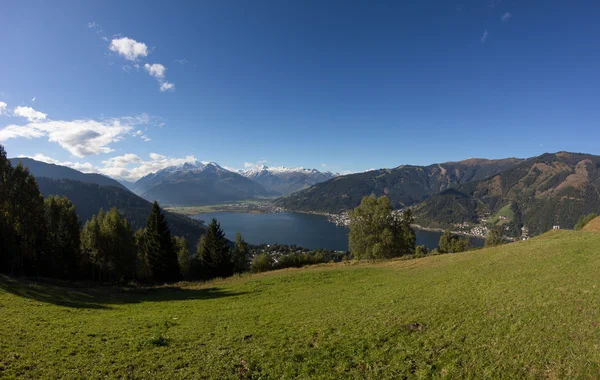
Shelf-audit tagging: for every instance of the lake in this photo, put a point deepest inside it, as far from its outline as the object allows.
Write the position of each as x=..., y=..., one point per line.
x=306, y=230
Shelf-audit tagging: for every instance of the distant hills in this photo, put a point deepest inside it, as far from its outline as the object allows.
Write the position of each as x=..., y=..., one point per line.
x=91, y=192
x=282, y=180
x=198, y=183
x=405, y=185
x=42, y=169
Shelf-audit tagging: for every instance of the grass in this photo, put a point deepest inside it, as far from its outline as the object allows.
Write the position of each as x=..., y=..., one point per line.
x=506, y=212
x=528, y=309
x=593, y=225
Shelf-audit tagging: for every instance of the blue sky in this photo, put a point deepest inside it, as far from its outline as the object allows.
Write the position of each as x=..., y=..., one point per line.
x=341, y=86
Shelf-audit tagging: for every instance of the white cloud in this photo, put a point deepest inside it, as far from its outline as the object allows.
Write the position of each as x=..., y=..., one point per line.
x=81, y=138
x=84, y=167
x=3, y=108
x=42, y=158
x=182, y=61
x=92, y=25
x=33, y=99
x=506, y=16
x=156, y=70
x=484, y=37
x=130, y=49
x=117, y=166
x=122, y=161
x=167, y=86
x=323, y=165
x=29, y=113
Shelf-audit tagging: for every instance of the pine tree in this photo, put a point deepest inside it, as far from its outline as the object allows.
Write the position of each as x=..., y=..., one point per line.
x=159, y=247
x=240, y=255
x=213, y=253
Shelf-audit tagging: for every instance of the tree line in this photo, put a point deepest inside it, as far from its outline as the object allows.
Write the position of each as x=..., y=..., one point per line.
x=44, y=237
x=376, y=232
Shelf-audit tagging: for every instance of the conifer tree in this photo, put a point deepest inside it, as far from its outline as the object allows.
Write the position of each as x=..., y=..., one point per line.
x=213, y=253
x=160, y=248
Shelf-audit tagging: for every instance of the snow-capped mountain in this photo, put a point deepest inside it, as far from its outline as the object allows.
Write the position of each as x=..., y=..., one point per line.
x=196, y=183
x=282, y=180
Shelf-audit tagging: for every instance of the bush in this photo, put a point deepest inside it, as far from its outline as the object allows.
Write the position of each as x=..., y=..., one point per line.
x=585, y=220
x=261, y=263
x=421, y=250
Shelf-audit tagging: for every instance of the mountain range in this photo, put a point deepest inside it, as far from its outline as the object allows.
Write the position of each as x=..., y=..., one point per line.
x=282, y=180
x=405, y=185
x=537, y=193
x=91, y=192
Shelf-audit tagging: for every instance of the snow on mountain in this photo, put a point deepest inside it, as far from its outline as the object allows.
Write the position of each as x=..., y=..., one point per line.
x=284, y=180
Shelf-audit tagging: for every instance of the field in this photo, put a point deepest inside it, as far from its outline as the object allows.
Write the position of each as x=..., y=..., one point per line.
x=527, y=309
x=506, y=213
x=251, y=205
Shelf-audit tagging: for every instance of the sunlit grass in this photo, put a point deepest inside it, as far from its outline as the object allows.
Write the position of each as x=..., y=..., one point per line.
x=528, y=309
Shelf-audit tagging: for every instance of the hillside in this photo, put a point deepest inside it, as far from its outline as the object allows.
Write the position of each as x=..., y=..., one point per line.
x=42, y=169
x=197, y=183
x=523, y=310
x=552, y=189
x=88, y=198
x=404, y=185
x=593, y=225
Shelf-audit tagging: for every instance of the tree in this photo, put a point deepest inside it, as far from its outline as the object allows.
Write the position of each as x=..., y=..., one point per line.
x=450, y=243
x=213, y=253
x=375, y=233
x=494, y=237
x=584, y=220
x=183, y=256
x=261, y=263
x=421, y=250
x=109, y=244
x=23, y=227
x=240, y=255
x=62, y=257
x=159, y=247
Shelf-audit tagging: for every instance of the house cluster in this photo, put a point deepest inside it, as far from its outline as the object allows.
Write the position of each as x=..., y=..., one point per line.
x=342, y=219
x=479, y=231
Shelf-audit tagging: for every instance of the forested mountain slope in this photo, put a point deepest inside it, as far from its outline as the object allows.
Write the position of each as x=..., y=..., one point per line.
x=404, y=185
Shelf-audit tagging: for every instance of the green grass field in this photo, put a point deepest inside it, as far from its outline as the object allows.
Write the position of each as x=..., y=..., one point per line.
x=506, y=212
x=527, y=309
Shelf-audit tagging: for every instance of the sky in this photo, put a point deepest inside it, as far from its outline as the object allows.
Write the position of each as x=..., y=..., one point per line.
x=127, y=88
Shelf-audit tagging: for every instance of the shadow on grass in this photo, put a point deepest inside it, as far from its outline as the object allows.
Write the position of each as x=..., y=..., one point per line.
x=76, y=295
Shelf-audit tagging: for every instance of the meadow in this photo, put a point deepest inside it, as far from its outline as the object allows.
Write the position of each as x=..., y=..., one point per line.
x=528, y=309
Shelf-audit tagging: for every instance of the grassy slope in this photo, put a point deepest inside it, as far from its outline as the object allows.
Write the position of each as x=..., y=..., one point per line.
x=593, y=225
x=528, y=309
